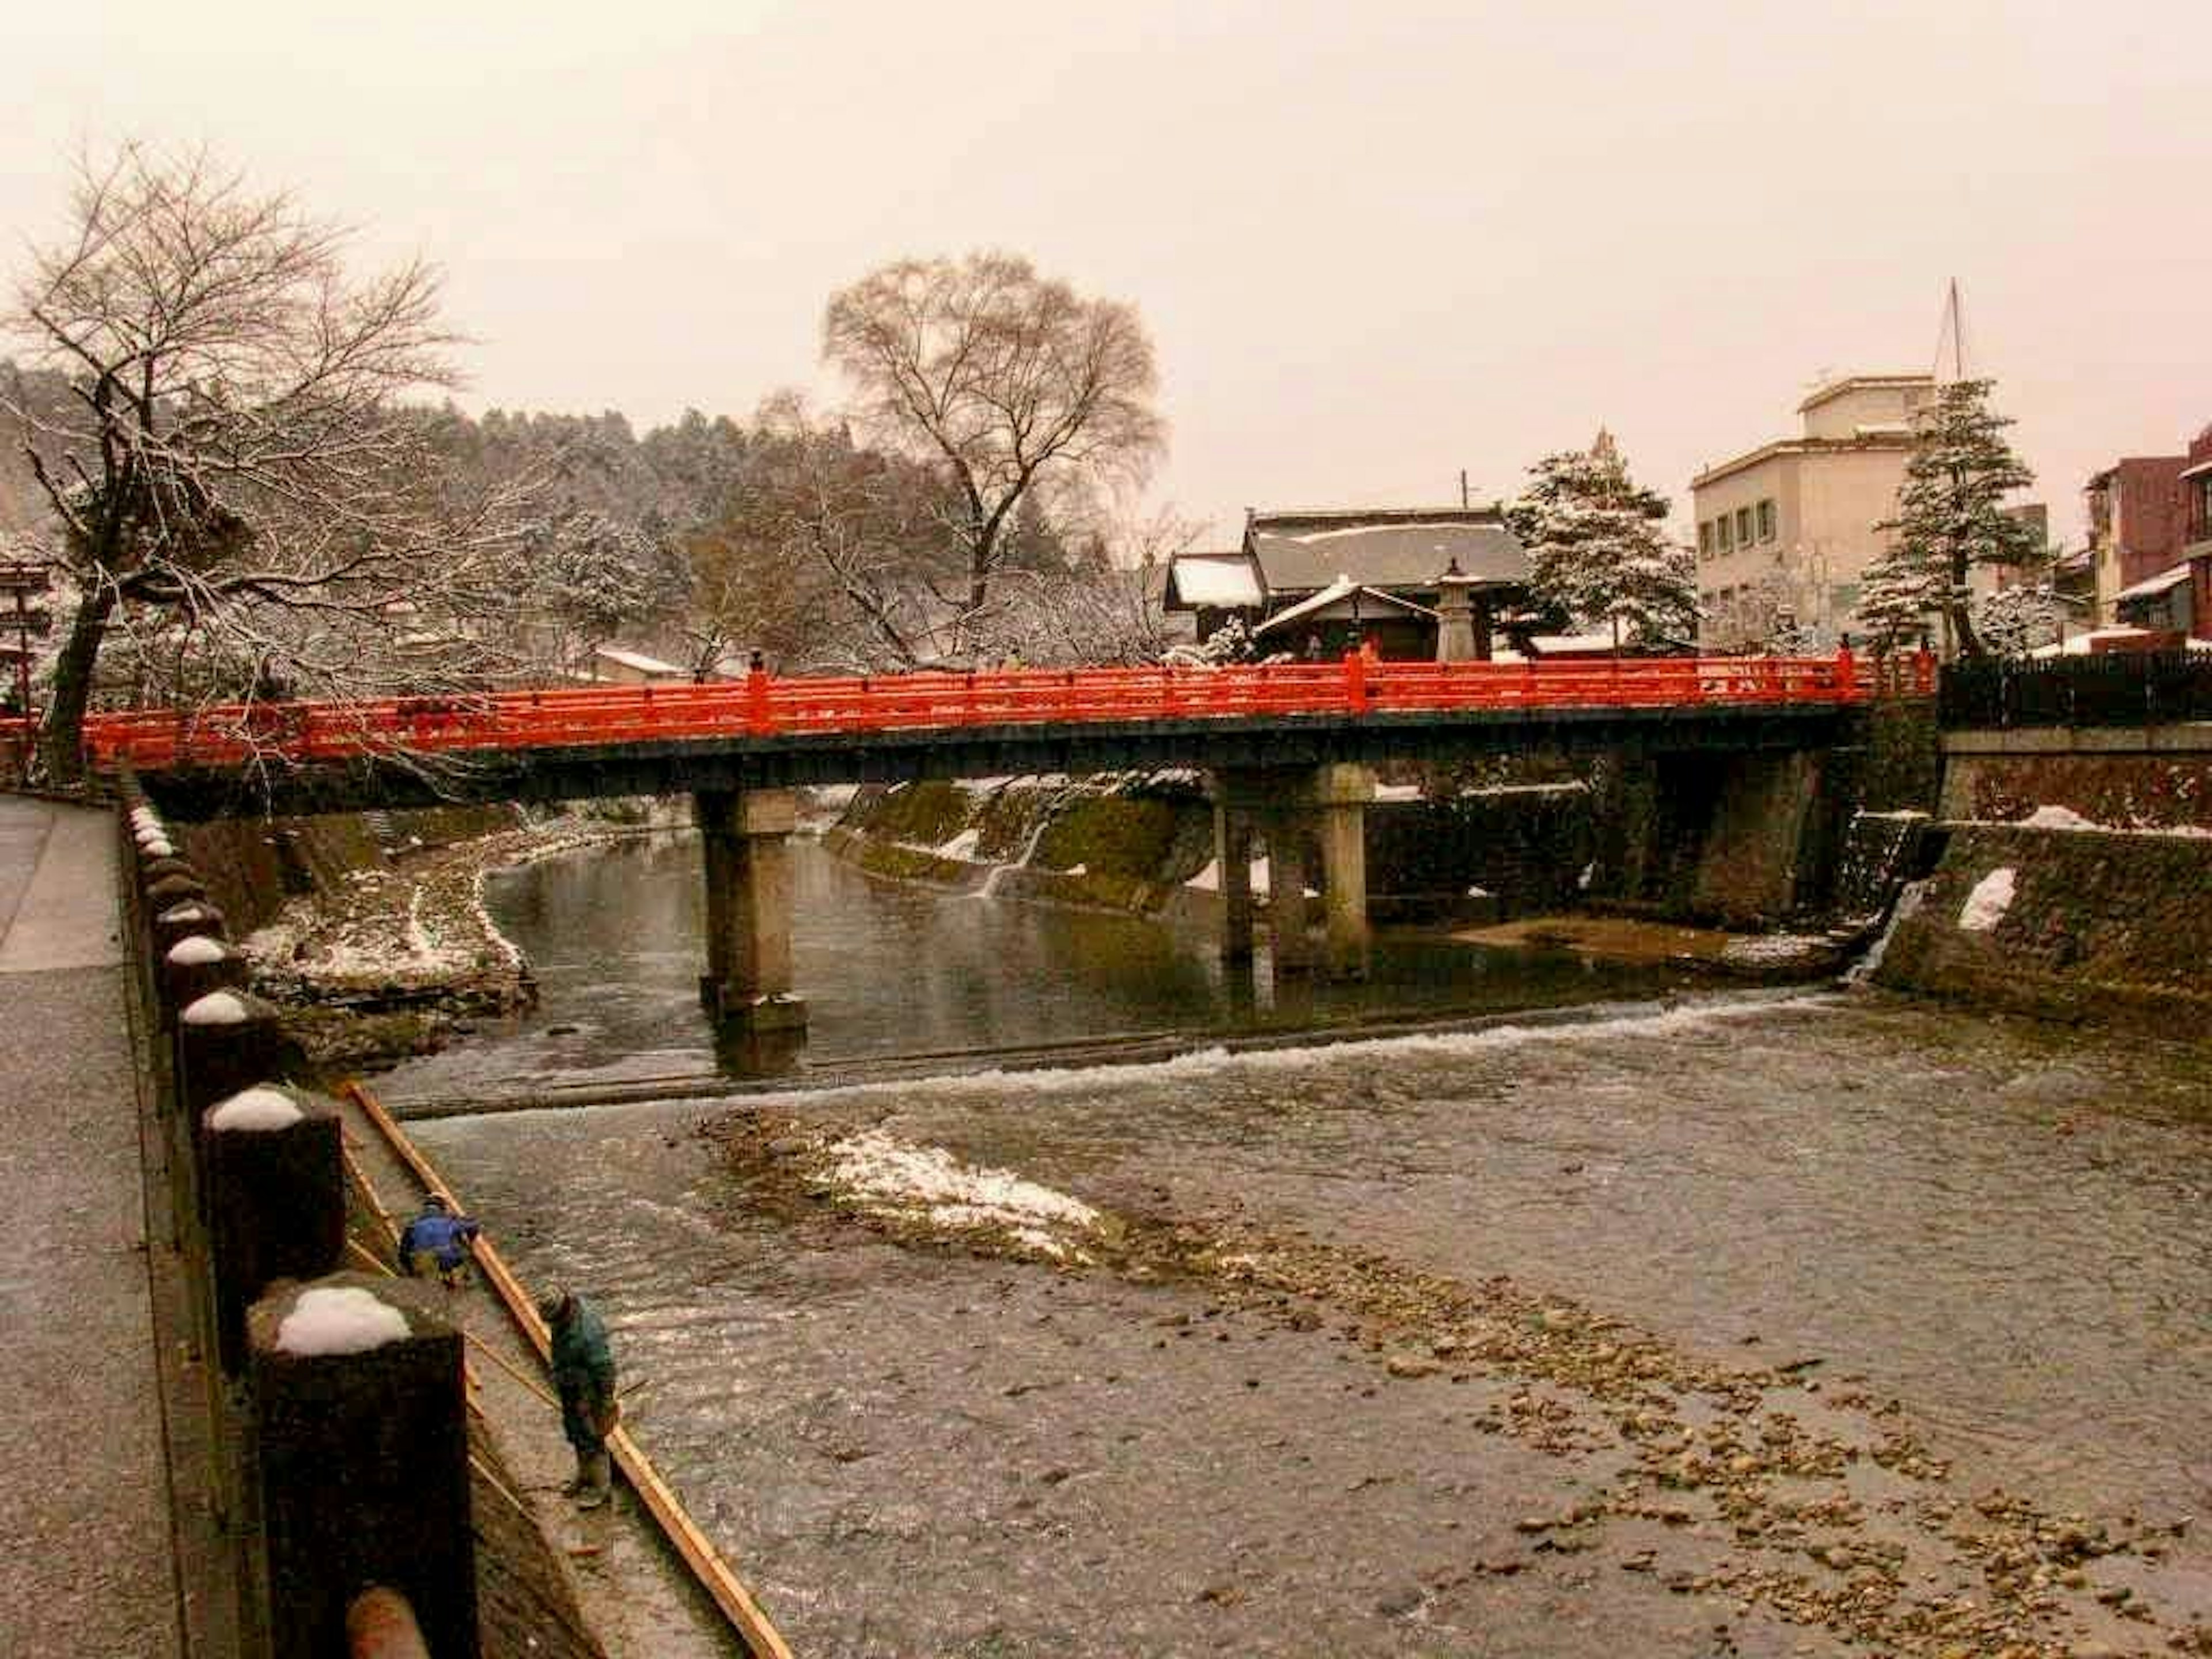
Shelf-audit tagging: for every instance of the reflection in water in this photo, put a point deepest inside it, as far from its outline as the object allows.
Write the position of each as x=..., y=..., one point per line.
x=615, y=936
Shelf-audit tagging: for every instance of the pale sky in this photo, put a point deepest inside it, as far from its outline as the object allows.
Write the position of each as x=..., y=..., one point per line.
x=1375, y=241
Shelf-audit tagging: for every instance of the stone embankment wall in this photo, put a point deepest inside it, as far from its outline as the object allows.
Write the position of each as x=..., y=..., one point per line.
x=1135, y=843
x=2091, y=852
x=2068, y=924
x=253, y=865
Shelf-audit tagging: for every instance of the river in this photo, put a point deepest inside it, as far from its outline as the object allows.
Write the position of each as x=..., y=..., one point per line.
x=1706, y=1323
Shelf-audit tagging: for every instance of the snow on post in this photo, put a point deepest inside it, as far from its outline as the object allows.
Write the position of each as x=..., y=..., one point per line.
x=342, y=1369
x=276, y=1201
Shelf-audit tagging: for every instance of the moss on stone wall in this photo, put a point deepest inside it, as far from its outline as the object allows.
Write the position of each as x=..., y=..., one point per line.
x=1128, y=835
x=926, y=814
x=2100, y=925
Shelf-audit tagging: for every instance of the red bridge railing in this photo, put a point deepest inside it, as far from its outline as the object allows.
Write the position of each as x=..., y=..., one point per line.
x=764, y=704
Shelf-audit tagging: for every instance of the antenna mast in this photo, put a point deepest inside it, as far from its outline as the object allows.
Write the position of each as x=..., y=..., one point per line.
x=1953, y=328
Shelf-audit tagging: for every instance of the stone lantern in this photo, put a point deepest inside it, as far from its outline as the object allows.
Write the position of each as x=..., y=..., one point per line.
x=1462, y=624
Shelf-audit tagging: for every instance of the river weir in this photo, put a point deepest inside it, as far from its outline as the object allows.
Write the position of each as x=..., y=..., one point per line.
x=1701, y=1323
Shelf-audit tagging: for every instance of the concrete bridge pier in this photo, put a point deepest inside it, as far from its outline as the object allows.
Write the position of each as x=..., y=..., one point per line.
x=745, y=834
x=1289, y=805
x=1340, y=795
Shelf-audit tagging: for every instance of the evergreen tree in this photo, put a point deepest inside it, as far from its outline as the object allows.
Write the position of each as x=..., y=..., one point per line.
x=1598, y=549
x=1950, y=517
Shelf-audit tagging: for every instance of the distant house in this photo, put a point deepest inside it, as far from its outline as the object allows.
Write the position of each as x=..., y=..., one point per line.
x=612, y=665
x=2196, y=530
x=1323, y=582
x=2135, y=528
x=2150, y=533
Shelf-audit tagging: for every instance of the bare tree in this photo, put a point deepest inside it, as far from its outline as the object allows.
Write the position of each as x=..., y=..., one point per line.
x=829, y=555
x=1003, y=379
x=235, y=472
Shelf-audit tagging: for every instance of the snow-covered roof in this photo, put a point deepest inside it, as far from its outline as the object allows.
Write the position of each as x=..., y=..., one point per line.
x=1383, y=547
x=639, y=661
x=2082, y=645
x=1223, y=579
x=2165, y=582
x=1342, y=598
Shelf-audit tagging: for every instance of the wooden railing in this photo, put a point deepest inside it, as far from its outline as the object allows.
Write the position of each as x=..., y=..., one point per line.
x=767, y=706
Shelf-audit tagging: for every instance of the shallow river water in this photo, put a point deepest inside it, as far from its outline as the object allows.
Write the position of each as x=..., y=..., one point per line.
x=1972, y=1253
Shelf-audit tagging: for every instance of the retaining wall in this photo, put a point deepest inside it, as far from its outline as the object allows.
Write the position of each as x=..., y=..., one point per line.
x=2100, y=925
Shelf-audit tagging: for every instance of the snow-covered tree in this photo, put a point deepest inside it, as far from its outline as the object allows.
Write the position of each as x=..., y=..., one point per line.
x=1950, y=518
x=1598, y=549
x=2014, y=621
x=234, y=471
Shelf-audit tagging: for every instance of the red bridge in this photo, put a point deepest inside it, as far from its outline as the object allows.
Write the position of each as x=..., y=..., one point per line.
x=283, y=736
x=1288, y=747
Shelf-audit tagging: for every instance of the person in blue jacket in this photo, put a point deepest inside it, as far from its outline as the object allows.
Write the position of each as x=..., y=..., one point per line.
x=437, y=1238
x=584, y=1377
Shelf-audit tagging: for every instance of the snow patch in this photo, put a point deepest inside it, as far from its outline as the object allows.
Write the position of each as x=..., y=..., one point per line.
x=190, y=910
x=1772, y=949
x=259, y=1110
x=1207, y=880
x=1986, y=905
x=157, y=847
x=217, y=1008
x=897, y=1177
x=198, y=950
x=961, y=846
x=2057, y=818
x=339, y=1319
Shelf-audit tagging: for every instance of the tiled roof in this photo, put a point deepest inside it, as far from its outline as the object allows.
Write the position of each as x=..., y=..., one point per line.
x=1403, y=547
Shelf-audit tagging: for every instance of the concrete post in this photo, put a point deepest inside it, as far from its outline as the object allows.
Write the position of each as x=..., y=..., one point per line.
x=745, y=836
x=277, y=1201
x=362, y=1460
x=1286, y=892
x=1341, y=794
x=172, y=890
x=227, y=1041
x=1232, y=864
x=184, y=920
x=192, y=968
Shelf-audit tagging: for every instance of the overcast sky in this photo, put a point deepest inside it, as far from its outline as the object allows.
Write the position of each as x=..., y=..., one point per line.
x=1375, y=241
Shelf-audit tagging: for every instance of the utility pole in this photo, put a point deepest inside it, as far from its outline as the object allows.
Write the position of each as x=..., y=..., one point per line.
x=24, y=580
x=1462, y=489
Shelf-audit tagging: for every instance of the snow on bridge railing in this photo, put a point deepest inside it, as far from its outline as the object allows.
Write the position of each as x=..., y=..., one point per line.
x=766, y=706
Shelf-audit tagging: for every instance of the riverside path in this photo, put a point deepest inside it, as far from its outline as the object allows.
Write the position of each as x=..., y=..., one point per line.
x=88, y=1565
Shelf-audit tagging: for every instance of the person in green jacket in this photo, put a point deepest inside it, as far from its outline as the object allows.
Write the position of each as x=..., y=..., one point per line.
x=584, y=1377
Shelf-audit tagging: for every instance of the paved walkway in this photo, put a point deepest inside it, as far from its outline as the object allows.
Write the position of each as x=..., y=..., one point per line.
x=86, y=1561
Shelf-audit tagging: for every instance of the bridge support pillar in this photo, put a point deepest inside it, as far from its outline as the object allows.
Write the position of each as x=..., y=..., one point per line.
x=1340, y=797
x=744, y=834
x=1232, y=864
x=1287, y=922
x=1292, y=806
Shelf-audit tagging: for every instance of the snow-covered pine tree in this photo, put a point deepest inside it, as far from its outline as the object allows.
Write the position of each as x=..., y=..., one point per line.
x=2012, y=621
x=1950, y=517
x=1598, y=549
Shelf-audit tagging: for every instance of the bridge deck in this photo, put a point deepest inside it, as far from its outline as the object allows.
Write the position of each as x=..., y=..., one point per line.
x=767, y=730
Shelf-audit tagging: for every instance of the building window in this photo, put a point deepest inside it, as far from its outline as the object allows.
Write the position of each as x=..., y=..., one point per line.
x=1743, y=527
x=1721, y=524
x=1705, y=539
x=1766, y=521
